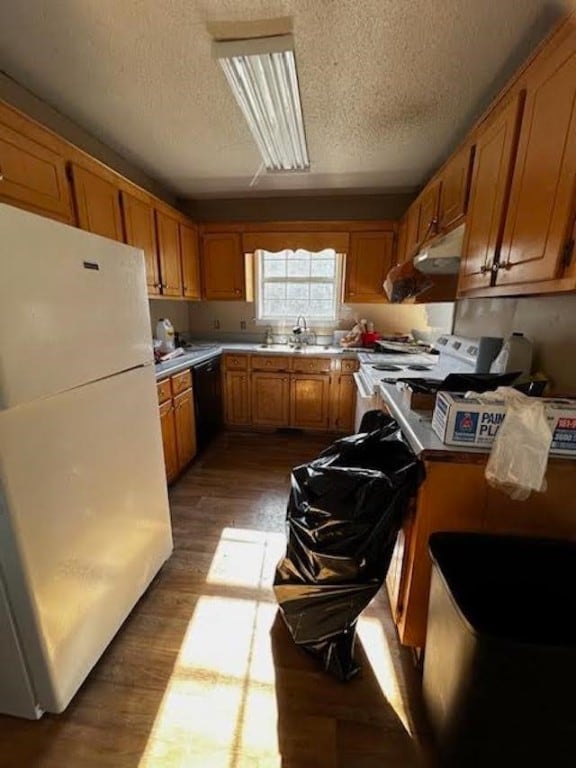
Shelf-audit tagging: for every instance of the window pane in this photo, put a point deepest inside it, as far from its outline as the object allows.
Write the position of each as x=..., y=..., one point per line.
x=275, y=291
x=320, y=309
x=297, y=291
x=323, y=267
x=298, y=268
x=274, y=267
x=322, y=291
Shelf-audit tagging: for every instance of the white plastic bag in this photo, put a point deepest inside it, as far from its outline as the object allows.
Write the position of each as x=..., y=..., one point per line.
x=519, y=456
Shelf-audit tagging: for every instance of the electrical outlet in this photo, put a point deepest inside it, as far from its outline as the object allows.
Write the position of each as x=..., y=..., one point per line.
x=242, y=325
x=216, y=325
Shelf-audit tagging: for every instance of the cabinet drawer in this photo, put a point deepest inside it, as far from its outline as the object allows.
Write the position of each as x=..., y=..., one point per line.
x=349, y=366
x=164, y=391
x=270, y=363
x=311, y=365
x=181, y=382
x=235, y=362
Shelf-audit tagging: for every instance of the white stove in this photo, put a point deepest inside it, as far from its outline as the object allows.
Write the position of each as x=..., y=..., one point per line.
x=454, y=354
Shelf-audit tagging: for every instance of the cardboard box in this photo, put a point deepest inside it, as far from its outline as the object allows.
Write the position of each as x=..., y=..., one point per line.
x=418, y=401
x=470, y=422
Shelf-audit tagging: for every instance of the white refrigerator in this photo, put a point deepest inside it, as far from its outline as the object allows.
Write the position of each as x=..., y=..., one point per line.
x=84, y=517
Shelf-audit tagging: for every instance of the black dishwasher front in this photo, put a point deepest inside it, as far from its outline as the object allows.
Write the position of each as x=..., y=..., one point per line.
x=207, y=400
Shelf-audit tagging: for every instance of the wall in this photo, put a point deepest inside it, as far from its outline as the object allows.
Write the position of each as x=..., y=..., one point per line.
x=301, y=208
x=176, y=311
x=17, y=96
x=547, y=321
x=387, y=318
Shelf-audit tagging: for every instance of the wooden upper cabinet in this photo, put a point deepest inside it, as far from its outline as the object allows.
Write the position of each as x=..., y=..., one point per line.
x=429, y=200
x=412, y=224
x=97, y=202
x=454, y=189
x=190, y=261
x=367, y=264
x=140, y=232
x=493, y=165
x=401, y=236
x=32, y=176
x=167, y=231
x=541, y=211
x=222, y=262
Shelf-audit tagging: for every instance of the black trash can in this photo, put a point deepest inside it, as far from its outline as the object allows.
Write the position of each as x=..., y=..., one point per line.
x=500, y=660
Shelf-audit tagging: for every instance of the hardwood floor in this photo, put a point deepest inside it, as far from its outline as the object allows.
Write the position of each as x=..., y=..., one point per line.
x=204, y=674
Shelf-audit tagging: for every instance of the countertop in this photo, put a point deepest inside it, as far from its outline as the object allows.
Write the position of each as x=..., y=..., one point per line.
x=196, y=356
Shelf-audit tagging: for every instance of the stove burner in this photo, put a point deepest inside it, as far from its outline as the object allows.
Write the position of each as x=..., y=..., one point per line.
x=419, y=367
x=387, y=367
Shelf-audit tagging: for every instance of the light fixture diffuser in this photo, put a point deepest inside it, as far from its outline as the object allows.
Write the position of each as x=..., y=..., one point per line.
x=262, y=75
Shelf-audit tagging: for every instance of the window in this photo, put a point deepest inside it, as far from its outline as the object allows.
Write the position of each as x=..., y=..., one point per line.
x=292, y=283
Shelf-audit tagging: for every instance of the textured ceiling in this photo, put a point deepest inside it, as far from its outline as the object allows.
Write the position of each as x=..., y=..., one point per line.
x=388, y=86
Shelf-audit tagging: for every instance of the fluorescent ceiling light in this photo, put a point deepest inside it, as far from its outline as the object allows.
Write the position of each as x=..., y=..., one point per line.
x=263, y=78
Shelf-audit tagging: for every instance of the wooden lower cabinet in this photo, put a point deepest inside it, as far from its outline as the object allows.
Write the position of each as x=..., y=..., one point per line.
x=270, y=399
x=185, y=428
x=237, y=398
x=178, y=423
x=456, y=497
x=344, y=403
x=168, y=425
x=309, y=401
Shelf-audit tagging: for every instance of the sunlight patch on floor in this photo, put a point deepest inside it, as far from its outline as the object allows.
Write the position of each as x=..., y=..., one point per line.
x=378, y=651
x=219, y=708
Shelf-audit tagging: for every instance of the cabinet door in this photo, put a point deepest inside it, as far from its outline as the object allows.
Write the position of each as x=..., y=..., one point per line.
x=141, y=233
x=541, y=209
x=345, y=404
x=454, y=189
x=97, y=203
x=169, y=252
x=190, y=261
x=168, y=425
x=222, y=264
x=237, y=398
x=412, y=225
x=33, y=176
x=428, y=218
x=400, y=255
x=367, y=264
x=270, y=399
x=493, y=165
x=185, y=428
x=309, y=401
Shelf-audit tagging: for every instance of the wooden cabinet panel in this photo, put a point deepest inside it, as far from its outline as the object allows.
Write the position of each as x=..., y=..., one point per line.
x=190, y=261
x=164, y=391
x=367, y=264
x=222, y=264
x=237, y=398
x=428, y=218
x=270, y=399
x=345, y=404
x=412, y=226
x=349, y=366
x=97, y=203
x=33, y=176
x=235, y=362
x=541, y=210
x=493, y=165
x=181, y=382
x=309, y=401
x=169, y=252
x=271, y=363
x=168, y=425
x=454, y=189
x=401, y=241
x=141, y=233
x=185, y=428
x=311, y=364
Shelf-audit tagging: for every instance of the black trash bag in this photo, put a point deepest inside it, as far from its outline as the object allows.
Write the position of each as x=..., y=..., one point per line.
x=344, y=513
x=377, y=419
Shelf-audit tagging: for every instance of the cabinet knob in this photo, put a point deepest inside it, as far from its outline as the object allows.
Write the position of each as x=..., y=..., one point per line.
x=500, y=265
x=237, y=291
x=1, y=174
x=484, y=269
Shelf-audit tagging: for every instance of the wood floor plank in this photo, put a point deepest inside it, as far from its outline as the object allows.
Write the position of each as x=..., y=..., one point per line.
x=204, y=674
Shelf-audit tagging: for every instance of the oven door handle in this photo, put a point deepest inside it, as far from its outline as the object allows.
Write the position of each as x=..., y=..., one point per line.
x=363, y=391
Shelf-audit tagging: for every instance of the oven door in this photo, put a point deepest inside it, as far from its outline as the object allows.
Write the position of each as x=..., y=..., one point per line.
x=366, y=400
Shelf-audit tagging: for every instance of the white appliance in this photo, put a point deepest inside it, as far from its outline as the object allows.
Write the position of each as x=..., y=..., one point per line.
x=442, y=255
x=455, y=354
x=84, y=517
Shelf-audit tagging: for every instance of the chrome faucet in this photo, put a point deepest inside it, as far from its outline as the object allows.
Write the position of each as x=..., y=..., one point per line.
x=300, y=332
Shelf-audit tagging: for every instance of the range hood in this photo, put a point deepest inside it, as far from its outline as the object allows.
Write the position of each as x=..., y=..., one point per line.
x=442, y=255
